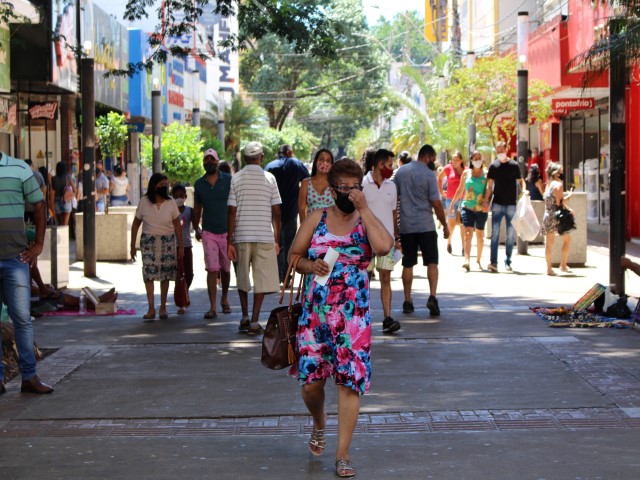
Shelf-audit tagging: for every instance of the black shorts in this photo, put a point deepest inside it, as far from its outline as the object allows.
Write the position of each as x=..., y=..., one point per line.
x=428, y=244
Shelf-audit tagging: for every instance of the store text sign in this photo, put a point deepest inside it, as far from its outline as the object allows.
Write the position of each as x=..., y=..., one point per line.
x=563, y=106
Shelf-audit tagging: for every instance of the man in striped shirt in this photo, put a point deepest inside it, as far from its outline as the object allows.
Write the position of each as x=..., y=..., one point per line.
x=254, y=233
x=17, y=185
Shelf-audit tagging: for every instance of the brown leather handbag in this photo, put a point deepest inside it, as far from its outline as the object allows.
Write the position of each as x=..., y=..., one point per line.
x=279, y=340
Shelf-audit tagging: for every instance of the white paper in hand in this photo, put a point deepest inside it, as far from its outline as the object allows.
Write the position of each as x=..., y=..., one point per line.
x=330, y=257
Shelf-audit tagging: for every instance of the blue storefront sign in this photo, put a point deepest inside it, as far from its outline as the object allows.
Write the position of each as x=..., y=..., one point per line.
x=141, y=84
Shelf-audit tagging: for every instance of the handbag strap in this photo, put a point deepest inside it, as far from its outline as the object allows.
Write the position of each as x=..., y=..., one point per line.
x=289, y=280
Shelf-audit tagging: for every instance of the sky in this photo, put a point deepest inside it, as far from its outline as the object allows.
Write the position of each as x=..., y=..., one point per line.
x=375, y=9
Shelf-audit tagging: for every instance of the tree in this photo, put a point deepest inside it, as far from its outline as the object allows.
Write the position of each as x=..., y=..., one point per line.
x=403, y=38
x=487, y=94
x=349, y=87
x=241, y=117
x=112, y=133
x=181, y=153
x=301, y=23
x=301, y=140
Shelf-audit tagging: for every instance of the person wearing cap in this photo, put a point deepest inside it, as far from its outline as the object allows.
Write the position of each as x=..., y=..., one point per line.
x=289, y=172
x=211, y=193
x=503, y=178
x=254, y=233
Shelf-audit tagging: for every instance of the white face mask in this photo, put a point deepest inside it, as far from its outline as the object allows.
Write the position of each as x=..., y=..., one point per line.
x=477, y=163
x=502, y=156
x=180, y=202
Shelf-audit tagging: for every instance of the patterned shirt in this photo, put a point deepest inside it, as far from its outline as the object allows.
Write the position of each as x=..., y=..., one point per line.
x=17, y=185
x=253, y=193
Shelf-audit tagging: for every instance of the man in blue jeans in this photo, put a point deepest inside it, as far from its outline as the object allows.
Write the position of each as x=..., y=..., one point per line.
x=17, y=185
x=502, y=182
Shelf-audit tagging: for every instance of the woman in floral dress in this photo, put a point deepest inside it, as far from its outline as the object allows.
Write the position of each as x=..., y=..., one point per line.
x=334, y=331
x=554, y=198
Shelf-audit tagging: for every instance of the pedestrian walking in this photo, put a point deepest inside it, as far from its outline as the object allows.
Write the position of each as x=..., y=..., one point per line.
x=17, y=186
x=534, y=183
x=161, y=237
x=119, y=188
x=211, y=194
x=382, y=197
x=452, y=173
x=501, y=196
x=61, y=193
x=289, y=172
x=102, y=188
x=474, y=216
x=419, y=197
x=187, y=221
x=254, y=234
x=554, y=198
x=314, y=191
x=334, y=330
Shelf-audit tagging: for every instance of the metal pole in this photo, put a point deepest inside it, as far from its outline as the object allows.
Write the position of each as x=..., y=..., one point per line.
x=195, y=117
x=523, y=106
x=221, y=105
x=88, y=166
x=471, y=128
x=156, y=129
x=617, y=193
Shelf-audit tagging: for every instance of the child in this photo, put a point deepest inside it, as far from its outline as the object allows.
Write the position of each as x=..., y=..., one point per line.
x=179, y=193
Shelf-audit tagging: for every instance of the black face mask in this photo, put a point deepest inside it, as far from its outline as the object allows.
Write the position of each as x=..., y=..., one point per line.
x=210, y=168
x=162, y=191
x=98, y=172
x=343, y=203
x=561, y=177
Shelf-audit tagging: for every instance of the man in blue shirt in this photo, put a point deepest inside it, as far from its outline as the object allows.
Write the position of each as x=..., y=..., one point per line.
x=419, y=198
x=289, y=172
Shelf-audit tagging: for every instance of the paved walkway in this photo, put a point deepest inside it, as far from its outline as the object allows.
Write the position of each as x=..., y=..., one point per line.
x=485, y=391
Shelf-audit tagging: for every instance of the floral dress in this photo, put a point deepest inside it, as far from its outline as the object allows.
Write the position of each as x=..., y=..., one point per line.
x=334, y=330
x=549, y=220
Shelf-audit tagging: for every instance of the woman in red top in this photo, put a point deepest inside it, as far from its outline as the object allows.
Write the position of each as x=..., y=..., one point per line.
x=452, y=172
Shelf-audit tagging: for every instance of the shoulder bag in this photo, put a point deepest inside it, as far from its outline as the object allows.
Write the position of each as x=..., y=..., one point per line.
x=279, y=340
x=181, y=290
x=566, y=220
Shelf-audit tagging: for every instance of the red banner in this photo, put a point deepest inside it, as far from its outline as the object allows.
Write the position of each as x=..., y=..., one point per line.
x=562, y=106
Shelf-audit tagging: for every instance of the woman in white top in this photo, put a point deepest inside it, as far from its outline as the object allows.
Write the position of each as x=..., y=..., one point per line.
x=119, y=188
x=161, y=231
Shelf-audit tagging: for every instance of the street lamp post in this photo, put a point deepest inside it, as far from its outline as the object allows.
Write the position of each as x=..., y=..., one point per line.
x=221, y=106
x=156, y=126
x=471, y=127
x=88, y=162
x=523, y=105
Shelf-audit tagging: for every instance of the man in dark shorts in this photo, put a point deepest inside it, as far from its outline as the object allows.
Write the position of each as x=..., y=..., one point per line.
x=419, y=198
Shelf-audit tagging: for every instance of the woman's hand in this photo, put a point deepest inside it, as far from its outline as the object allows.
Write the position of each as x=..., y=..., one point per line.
x=320, y=267
x=132, y=253
x=180, y=252
x=358, y=199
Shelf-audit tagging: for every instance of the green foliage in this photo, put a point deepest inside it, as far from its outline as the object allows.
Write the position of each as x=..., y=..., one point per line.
x=487, y=93
x=301, y=140
x=299, y=22
x=209, y=141
x=182, y=151
x=363, y=139
x=332, y=97
x=241, y=117
x=403, y=38
x=112, y=134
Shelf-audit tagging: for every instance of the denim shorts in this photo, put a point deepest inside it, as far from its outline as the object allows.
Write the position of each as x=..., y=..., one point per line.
x=473, y=219
x=62, y=207
x=447, y=204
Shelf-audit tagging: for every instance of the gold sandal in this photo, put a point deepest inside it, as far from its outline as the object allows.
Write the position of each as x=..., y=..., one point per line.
x=317, y=441
x=344, y=468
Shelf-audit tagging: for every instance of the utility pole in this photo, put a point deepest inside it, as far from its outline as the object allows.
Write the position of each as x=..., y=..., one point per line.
x=617, y=233
x=88, y=162
x=523, y=105
x=471, y=127
x=156, y=126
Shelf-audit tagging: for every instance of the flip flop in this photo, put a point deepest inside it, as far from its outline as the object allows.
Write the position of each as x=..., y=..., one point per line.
x=150, y=316
x=210, y=315
x=226, y=308
x=163, y=315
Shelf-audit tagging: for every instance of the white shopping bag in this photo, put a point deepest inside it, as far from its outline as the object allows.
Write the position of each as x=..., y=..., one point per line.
x=525, y=220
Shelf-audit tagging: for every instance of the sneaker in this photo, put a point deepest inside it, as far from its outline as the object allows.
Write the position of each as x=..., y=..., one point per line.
x=389, y=325
x=245, y=325
x=432, y=305
x=508, y=268
x=407, y=307
x=255, y=329
x=492, y=268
